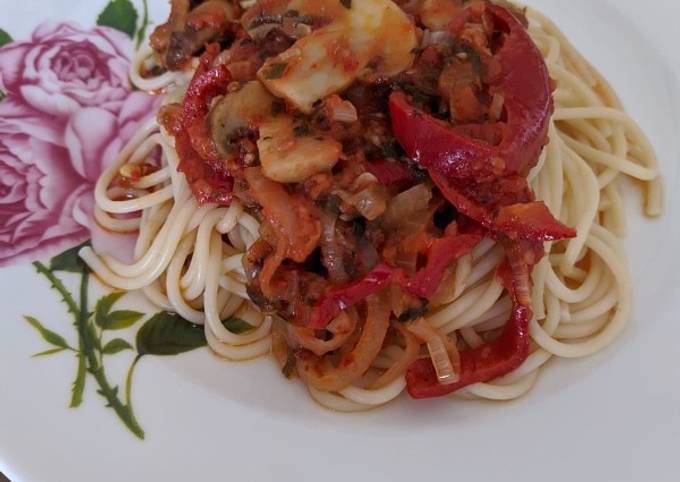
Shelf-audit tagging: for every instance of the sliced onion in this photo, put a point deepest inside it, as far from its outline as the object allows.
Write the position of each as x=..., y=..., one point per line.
x=370, y=202
x=292, y=27
x=439, y=351
x=433, y=37
x=280, y=343
x=291, y=216
x=411, y=352
x=404, y=205
x=368, y=255
x=344, y=325
x=331, y=251
x=496, y=108
x=521, y=278
x=263, y=29
x=407, y=259
x=315, y=373
x=341, y=110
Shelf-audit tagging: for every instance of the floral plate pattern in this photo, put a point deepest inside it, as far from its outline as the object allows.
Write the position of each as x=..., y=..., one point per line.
x=67, y=107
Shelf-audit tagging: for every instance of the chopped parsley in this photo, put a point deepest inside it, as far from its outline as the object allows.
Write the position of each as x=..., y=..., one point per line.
x=302, y=129
x=413, y=313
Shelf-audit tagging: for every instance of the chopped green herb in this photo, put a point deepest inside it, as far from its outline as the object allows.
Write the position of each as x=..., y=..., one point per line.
x=390, y=150
x=275, y=71
x=301, y=130
x=413, y=313
x=421, y=97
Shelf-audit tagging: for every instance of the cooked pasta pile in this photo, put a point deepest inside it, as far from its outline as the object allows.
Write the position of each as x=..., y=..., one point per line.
x=188, y=256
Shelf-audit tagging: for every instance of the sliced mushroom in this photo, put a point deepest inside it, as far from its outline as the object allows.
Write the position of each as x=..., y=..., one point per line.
x=290, y=153
x=370, y=38
x=238, y=111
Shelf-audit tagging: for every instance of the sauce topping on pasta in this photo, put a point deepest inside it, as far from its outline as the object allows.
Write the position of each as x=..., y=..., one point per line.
x=377, y=144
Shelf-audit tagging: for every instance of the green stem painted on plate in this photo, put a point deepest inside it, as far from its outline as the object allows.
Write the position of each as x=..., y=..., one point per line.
x=89, y=352
x=141, y=33
x=67, y=298
x=128, y=384
x=110, y=393
x=59, y=286
x=81, y=320
x=163, y=334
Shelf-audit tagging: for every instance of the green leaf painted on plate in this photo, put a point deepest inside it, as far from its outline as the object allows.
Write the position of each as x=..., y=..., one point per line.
x=237, y=326
x=119, y=320
x=5, y=38
x=121, y=15
x=53, y=351
x=89, y=352
x=103, y=307
x=116, y=346
x=169, y=334
x=48, y=335
x=116, y=320
x=69, y=260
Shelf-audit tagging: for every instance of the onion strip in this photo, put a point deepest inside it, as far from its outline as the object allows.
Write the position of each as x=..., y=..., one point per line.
x=353, y=365
x=440, y=349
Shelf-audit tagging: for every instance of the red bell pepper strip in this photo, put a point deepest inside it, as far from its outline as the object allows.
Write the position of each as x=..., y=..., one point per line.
x=531, y=220
x=209, y=185
x=497, y=358
x=482, y=364
x=525, y=86
x=207, y=83
x=442, y=254
x=343, y=297
x=485, y=181
x=389, y=173
x=199, y=161
x=423, y=283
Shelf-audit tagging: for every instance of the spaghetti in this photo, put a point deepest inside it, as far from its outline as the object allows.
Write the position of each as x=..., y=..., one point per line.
x=188, y=257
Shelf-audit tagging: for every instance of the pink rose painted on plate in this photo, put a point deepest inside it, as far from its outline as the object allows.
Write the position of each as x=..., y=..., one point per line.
x=68, y=110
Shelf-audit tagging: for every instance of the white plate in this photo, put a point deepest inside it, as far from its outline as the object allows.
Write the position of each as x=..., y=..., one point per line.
x=615, y=416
